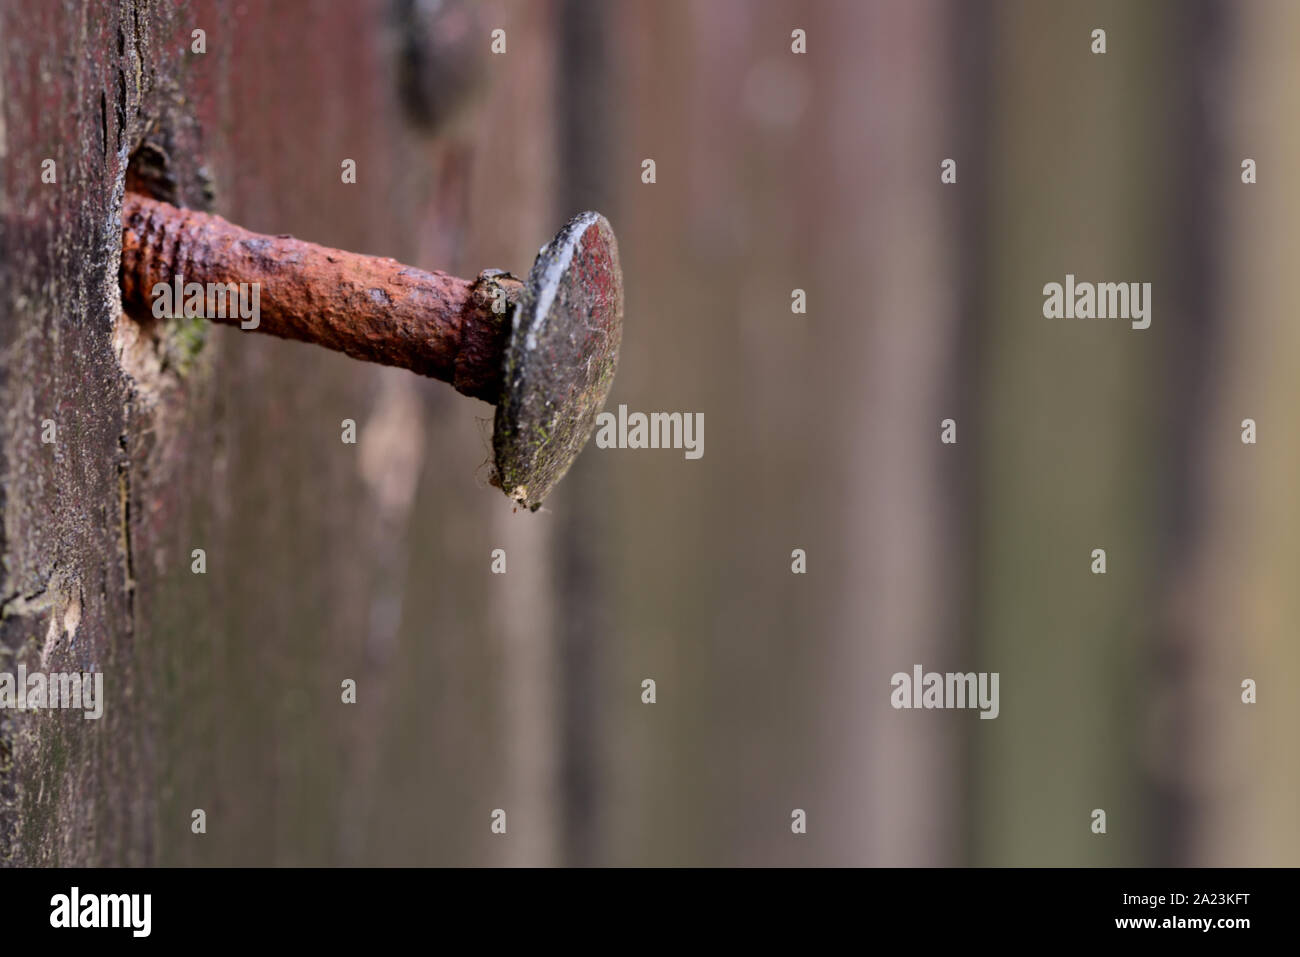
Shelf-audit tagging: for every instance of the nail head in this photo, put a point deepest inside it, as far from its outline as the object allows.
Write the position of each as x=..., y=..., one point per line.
x=560, y=360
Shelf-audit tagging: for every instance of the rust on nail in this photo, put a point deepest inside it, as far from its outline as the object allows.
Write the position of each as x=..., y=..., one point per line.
x=543, y=351
x=368, y=307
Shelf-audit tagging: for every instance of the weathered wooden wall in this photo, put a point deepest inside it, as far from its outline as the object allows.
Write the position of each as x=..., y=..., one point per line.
x=325, y=561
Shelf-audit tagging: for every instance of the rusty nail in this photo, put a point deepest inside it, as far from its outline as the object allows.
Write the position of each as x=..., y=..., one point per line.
x=543, y=350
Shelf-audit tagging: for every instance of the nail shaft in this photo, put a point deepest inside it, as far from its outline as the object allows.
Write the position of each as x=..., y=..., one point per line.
x=368, y=307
